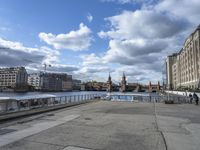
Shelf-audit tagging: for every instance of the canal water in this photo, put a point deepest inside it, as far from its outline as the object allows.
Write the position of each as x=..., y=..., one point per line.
x=43, y=94
x=115, y=95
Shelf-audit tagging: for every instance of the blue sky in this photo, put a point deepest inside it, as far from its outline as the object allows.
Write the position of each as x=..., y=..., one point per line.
x=91, y=38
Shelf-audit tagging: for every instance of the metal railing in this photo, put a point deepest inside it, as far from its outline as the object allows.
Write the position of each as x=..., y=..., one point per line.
x=149, y=98
x=8, y=106
x=13, y=105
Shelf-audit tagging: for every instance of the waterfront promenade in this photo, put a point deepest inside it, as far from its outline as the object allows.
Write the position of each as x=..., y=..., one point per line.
x=107, y=125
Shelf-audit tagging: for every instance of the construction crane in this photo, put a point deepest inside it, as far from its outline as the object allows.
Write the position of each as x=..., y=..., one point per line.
x=45, y=67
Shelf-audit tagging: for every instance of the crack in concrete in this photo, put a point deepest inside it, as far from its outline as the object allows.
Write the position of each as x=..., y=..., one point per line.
x=157, y=127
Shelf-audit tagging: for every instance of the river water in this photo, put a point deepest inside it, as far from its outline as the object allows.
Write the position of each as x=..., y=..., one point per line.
x=42, y=94
x=60, y=94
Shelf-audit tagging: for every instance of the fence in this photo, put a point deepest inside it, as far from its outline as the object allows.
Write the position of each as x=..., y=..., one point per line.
x=16, y=105
x=150, y=98
x=13, y=105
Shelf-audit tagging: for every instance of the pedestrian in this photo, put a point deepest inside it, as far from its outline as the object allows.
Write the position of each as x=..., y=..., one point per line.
x=190, y=96
x=196, y=98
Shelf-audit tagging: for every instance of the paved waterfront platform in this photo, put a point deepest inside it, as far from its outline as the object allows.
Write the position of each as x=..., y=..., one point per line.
x=106, y=125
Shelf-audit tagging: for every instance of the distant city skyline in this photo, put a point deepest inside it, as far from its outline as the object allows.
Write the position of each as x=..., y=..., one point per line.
x=92, y=38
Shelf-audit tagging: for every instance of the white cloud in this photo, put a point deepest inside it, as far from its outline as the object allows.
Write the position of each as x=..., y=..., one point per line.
x=62, y=68
x=89, y=17
x=187, y=9
x=5, y=29
x=129, y=1
x=137, y=37
x=16, y=54
x=74, y=40
x=143, y=24
x=137, y=74
x=92, y=70
x=136, y=47
x=140, y=40
x=92, y=60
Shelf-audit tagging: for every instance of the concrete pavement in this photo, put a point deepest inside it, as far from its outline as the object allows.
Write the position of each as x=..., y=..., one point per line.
x=180, y=125
x=106, y=125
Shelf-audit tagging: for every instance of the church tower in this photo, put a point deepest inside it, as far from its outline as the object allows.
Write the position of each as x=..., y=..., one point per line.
x=123, y=83
x=109, y=84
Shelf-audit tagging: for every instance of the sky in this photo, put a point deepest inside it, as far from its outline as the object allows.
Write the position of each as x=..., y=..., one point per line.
x=92, y=38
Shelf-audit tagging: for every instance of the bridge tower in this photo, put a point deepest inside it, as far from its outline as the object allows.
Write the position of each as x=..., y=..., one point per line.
x=158, y=86
x=109, y=84
x=123, y=83
x=150, y=86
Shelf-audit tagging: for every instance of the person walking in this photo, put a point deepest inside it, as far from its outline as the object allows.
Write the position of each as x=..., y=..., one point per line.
x=190, y=96
x=196, y=98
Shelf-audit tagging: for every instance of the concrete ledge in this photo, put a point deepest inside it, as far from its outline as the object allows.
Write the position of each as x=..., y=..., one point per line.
x=14, y=115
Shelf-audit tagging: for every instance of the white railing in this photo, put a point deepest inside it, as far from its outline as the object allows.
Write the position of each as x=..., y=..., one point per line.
x=13, y=105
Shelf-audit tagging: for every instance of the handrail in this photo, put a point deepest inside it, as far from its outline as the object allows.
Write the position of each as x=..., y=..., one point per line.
x=44, y=102
x=151, y=98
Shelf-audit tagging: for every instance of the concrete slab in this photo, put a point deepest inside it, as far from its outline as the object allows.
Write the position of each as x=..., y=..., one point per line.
x=5, y=131
x=109, y=125
x=36, y=128
x=28, y=145
x=176, y=123
x=75, y=148
x=102, y=125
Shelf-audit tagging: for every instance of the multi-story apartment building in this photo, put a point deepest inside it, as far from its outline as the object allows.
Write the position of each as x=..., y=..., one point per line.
x=50, y=81
x=184, y=68
x=56, y=82
x=170, y=61
x=76, y=84
x=67, y=82
x=34, y=80
x=13, y=77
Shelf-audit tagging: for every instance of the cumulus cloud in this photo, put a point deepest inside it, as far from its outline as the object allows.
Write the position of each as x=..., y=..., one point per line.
x=182, y=8
x=92, y=70
x=16, y=54
x=92, y=60
x=141, y=39
x=5, y=29
x=62, y=68
x=129, y=1
x=143, y=24
x=74, y=40
x=10, y=57
x=137, y=74
x=136, y=47
x=89, y=17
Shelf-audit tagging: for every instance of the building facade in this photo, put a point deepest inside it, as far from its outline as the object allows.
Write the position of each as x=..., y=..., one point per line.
x=13, y=77
x=34, y=80
x=170, y=61
x=76, y=84
x=185, y=67
x=67, y=84
x=50, y=81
